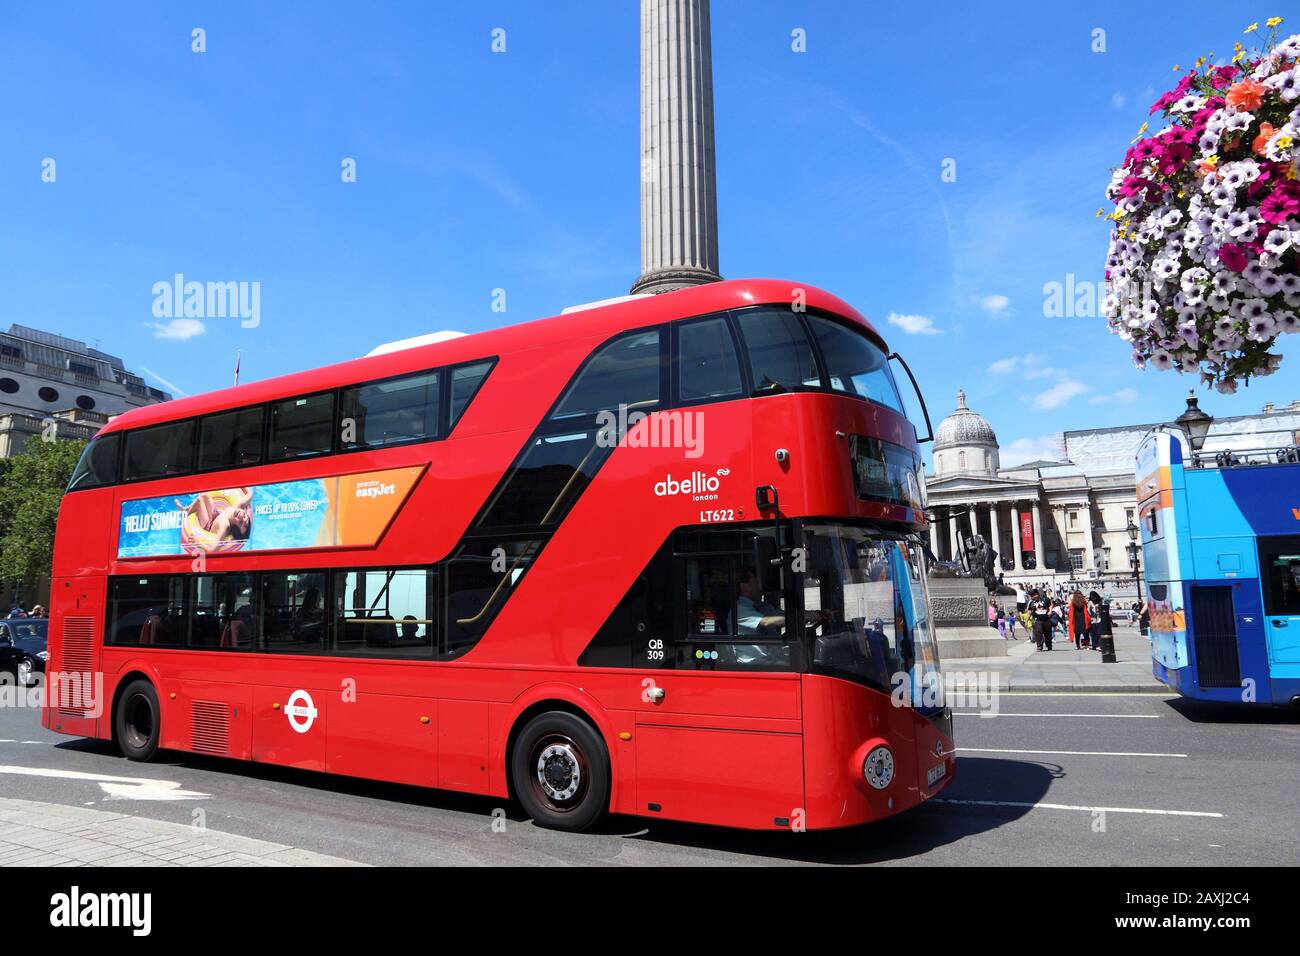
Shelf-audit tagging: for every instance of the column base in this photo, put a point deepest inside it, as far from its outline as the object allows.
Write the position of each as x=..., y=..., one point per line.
x=670, y=280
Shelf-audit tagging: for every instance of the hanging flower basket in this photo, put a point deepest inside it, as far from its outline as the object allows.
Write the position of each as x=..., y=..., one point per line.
x=1202, y=271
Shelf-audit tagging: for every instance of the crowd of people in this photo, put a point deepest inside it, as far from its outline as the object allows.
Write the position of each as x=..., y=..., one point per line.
x=1046, y=611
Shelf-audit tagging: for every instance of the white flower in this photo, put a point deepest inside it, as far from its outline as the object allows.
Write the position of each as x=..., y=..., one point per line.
x=1223, y=195
x=1242, y=225
x=1287, y=321
x=1237, y=121
x=1227, y=386
x=1188, y=104
x=1286, y=85
x=1261, y=328
x=1162, y=360
x=1268, y=283
x=1277, y=242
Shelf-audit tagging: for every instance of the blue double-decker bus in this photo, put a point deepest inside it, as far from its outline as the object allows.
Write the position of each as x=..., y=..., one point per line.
x=1221, y=545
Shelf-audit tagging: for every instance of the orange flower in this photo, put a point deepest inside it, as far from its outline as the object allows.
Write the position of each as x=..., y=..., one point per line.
x=1246, y=95
x=1266, y=132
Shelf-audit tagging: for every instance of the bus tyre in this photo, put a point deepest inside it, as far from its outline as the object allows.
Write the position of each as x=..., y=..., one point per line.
x=560, y=770
x=136, y=722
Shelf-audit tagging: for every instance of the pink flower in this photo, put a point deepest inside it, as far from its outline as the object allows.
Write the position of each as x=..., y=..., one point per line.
x=1278, y=208
x=1234, y=257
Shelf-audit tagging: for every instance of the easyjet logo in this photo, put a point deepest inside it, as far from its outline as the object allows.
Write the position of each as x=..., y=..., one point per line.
x=375, y=489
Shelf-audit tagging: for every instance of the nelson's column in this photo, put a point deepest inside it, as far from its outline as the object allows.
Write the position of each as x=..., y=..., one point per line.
x=679, y=208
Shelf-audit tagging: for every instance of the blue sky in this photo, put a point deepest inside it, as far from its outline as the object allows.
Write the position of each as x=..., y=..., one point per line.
x=518, y=170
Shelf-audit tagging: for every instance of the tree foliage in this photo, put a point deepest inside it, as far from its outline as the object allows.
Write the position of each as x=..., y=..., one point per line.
x=31, y=487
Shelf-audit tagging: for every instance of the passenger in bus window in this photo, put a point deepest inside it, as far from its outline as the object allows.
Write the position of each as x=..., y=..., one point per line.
x=411, y=629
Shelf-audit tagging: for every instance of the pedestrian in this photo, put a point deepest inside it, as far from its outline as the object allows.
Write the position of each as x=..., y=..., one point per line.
x=1002, y=624
x=993, y=613
x=1079, y=621
x=1094, y=611
x=1041, y=611
x=1054, y=616
x=38, y=610
x=17, y=611
x=1011, y=624
x=1022, y=599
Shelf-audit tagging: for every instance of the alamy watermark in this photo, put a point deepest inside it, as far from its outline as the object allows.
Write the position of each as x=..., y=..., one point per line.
x=181, y=299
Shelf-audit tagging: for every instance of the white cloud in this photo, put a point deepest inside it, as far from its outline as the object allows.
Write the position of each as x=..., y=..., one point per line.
x=177, y=329
x=1043, y=448
x=1059, y=394
x=994, y=304
x=1028, y=362
x=1042, y=371
x=1125, y=396
x=914, y=324
x=1118, y=99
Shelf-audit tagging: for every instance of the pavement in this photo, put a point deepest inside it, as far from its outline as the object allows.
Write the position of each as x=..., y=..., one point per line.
x=40, y=833
x=1065, y=668
x=1078, y=779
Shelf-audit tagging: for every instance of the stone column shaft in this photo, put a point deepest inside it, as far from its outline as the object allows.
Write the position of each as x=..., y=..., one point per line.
x=1038, y=538
x=679, y=206
x=1018, y=561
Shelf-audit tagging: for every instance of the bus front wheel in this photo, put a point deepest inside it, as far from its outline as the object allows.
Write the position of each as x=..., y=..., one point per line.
x=136, y=723
x=560, y=770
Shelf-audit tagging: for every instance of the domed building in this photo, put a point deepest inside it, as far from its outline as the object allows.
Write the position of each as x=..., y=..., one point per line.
x=965, y=444
x=1037, y=516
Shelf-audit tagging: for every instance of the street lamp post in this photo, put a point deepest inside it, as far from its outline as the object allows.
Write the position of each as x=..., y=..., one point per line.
x=1135, y=563
x=1194, y=423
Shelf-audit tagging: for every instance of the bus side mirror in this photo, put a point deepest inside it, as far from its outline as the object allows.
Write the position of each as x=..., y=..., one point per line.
x=929, y=429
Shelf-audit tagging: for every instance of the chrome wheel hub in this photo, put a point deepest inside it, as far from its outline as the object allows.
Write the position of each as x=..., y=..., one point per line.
x=559, y=771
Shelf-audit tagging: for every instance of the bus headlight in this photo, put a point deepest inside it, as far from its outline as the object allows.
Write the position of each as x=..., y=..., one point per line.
x=878, y=768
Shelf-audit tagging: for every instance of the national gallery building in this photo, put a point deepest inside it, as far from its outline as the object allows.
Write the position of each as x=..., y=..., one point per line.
x=1065, y=519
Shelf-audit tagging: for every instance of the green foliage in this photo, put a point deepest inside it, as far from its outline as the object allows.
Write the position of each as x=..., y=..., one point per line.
x=31, y=487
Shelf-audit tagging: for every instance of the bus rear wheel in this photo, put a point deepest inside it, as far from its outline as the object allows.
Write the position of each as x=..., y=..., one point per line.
x=136, y=722
x=560, y=770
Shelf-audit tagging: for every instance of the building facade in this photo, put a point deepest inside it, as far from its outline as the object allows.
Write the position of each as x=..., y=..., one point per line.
x=60, y=387
x=1066, y=519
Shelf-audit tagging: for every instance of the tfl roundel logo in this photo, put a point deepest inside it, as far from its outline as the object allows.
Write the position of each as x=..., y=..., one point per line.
x=301, y=711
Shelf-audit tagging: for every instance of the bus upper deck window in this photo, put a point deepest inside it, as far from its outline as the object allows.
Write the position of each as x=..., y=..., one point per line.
x=302, y=426
x=854, y=364
x=624, y=372
x=780, y=355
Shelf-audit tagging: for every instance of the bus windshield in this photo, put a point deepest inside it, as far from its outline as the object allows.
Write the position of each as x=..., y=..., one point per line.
x=869, y=589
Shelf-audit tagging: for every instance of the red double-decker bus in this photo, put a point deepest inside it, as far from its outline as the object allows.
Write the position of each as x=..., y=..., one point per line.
x=660, y=556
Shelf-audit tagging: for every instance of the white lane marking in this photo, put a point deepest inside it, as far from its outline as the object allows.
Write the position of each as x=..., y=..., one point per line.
x=120, y=788
x=979, y=713
x=31, y=741
x=1151, y=694
x=1070, y=753
x=1068, y=806
x=6, y=740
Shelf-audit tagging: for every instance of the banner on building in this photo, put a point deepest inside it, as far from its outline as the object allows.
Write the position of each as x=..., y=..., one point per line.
x=1026, y=532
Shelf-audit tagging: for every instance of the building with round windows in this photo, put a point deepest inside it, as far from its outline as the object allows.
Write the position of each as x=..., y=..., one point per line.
x=53, y=384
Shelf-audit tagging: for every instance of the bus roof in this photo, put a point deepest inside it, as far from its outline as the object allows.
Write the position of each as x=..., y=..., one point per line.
x=606, y=320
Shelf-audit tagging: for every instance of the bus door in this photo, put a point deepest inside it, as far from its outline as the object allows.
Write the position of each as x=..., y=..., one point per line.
x=1279, y=569
x=718, y=729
